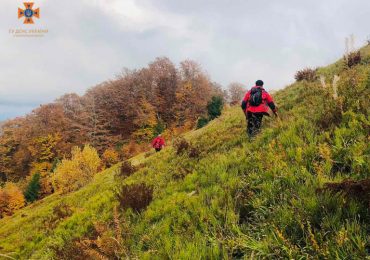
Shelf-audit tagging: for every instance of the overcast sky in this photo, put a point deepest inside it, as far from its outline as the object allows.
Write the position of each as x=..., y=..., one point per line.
x=90, y=41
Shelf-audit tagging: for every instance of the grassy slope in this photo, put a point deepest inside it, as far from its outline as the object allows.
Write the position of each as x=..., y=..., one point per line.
x=238, y=198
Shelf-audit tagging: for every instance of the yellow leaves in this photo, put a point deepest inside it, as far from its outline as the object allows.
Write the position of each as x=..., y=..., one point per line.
x=41, y=167
x=145, y=120
x=146, y=115
x=78, y=171
x=43, y=147
x=11, y=199
x=110, y=157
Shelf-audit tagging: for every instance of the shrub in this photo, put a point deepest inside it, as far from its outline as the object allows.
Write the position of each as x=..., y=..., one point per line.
x=78, y=171
x=359, y=190
x=181, y=145
x=102, y=243
x=60, y=211
x=126, y=169
x=194, y=152
x=33, y=188
x=353, y=59
x=307, y=74
x=214, y=107
x=135, y=196
x=11, y=199
x=202, y=121
x=110, y=157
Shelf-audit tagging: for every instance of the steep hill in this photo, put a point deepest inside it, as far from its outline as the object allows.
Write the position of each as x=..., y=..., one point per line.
x=220, y=195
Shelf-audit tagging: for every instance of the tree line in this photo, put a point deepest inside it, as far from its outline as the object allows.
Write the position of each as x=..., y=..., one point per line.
x=117, y=117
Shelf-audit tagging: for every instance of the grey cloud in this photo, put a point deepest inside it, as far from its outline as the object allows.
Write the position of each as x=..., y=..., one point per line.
x=239, y=40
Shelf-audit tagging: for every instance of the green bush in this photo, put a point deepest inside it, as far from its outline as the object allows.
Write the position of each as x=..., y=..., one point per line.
x=214, y=107
x=202, y=122
x=33, y=188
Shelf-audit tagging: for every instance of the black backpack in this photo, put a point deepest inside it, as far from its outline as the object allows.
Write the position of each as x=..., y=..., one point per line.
x=256, y=97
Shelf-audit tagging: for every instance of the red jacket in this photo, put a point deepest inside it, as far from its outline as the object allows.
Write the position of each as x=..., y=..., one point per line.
x=267, y=102
x=158, y=142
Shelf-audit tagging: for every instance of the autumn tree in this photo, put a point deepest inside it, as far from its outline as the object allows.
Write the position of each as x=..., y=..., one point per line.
x=97, y=116
x=75, y=113
x=11, y=199
x=193, y=93
x=14, y=156
x=74, y=173
x=164, y=85
x=236, y=93
x=145, y=121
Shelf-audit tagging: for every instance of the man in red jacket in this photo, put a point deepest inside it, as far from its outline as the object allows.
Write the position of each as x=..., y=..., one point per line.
x=158, y=143
x=255, y=105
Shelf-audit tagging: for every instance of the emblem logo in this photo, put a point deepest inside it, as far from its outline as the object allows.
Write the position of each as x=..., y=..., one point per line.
x=28, y=13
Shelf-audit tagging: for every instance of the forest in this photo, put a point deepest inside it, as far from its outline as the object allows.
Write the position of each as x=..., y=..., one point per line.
x=118, y=118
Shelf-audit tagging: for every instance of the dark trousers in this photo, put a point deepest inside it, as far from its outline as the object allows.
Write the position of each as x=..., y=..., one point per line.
x=254, y=123
x=158, y=149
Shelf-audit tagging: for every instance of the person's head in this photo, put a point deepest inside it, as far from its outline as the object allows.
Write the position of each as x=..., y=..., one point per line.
x=259, y=83
x=159, y=135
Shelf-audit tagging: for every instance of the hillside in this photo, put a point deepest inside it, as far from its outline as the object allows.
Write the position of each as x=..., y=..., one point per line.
x=121, y=114
x=225, y=196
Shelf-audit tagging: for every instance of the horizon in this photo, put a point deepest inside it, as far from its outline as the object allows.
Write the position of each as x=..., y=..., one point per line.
x=93, y=40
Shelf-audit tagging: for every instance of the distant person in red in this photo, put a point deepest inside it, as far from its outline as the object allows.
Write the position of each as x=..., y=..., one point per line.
x=158, y=143
x=255, y=105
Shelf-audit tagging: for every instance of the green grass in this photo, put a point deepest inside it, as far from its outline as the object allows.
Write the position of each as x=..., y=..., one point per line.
x=238, y=198
x=34, y=230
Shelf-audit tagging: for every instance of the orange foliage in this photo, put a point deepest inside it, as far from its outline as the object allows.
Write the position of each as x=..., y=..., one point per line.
x=11, y=199
x=110, y=157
